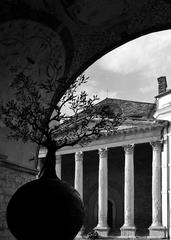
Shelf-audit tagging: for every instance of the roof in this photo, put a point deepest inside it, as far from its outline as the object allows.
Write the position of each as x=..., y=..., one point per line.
x=130, y=109
x=137, y=115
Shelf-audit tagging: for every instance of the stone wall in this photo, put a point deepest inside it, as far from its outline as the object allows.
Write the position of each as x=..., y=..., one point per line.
x=12, y=176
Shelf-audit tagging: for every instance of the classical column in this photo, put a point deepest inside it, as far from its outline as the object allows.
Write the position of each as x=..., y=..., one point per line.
x=169, y=177
x=128, y=229
x=58, y=166
x=78, y=182
x=102, y=227
x=165, y=182
x=156, y=229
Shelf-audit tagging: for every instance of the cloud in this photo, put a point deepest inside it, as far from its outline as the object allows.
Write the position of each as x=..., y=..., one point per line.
x=103, y=94
x=131, y=71
x=89, y=88
x=147, y=54
x=146, y=89
x=93, y=87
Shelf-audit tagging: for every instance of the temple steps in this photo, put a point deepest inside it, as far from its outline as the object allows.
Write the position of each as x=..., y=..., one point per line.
x=121, y=238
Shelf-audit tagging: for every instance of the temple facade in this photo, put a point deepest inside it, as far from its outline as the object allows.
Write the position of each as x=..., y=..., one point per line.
x=123, y=179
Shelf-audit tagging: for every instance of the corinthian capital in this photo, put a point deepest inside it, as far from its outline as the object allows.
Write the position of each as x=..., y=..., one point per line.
x=103, y=152
x=156, y=145
x=129, y=148
x=79, y=156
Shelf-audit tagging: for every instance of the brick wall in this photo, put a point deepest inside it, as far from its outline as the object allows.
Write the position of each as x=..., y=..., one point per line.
x=12, y=176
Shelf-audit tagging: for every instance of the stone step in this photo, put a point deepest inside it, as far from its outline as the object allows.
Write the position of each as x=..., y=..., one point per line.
x=121, y=238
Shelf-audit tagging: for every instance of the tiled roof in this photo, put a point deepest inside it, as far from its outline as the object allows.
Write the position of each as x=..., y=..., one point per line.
x=137, y=115
x=130, y=109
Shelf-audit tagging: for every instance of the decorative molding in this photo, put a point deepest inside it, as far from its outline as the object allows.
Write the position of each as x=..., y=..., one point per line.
x=112, y=142
x=129, y=148
x=156, y=145
x=133, y=135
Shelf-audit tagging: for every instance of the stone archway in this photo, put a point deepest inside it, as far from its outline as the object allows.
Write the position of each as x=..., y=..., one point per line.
x=84, y=43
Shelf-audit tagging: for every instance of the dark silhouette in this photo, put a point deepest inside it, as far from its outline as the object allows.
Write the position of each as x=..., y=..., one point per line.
x=48, y=208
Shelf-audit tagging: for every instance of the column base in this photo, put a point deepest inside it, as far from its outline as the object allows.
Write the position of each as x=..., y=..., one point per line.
x=102, y=231
x=80, y=233
x=157, y=232
x=128, y=231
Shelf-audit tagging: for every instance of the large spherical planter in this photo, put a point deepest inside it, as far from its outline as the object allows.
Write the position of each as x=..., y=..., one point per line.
x=45, y=209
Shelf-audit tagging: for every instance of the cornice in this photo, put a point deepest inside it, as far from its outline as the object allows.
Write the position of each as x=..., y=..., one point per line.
x=140, y=129
x=9, y=165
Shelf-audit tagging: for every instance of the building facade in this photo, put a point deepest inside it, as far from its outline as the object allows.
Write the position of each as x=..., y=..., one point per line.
x=123, y=179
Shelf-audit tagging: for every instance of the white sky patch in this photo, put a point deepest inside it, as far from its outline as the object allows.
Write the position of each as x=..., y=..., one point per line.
x=92, y=88
x=150, y=53
x=146, y=89
x=103, y=94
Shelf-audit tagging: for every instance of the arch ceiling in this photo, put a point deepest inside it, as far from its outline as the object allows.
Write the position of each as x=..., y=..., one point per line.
x=51, y=39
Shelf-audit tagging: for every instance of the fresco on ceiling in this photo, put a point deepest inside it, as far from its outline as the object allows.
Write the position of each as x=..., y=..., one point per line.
x=32, y=48
x=93, y=13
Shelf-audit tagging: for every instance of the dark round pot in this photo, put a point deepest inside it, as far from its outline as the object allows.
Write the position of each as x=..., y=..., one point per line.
x=45, y=209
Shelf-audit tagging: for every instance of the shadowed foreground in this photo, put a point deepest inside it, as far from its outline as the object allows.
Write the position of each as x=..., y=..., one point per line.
x=45, y=209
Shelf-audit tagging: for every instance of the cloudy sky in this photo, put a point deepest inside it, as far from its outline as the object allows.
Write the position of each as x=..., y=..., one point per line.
x=131, y=71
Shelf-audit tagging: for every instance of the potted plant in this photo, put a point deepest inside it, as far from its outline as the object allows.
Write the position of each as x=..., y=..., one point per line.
x=48, y=208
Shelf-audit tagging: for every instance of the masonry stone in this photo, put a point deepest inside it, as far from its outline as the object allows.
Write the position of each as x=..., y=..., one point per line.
x=11, y=178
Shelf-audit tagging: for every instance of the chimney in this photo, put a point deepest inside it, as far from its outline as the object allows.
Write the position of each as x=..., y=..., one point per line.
x=162, y=85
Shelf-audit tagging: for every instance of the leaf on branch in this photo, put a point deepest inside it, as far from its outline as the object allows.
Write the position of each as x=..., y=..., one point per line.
x=26, y=114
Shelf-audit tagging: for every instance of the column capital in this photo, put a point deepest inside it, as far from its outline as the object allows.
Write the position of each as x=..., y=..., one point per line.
x=129, y=148
x=79, y=156
x=156, y=145
x=103, y=152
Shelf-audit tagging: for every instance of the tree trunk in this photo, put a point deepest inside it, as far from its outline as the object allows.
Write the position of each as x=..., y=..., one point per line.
x=45, y=207
x=48, y=169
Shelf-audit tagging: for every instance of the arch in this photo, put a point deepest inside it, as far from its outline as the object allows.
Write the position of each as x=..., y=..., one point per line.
x=148, y=16
x=104, y=51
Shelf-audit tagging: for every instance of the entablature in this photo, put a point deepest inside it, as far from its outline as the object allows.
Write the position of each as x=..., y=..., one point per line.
x=120, y=138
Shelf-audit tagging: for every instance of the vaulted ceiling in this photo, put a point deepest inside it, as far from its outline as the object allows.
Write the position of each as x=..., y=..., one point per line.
x=61, y=38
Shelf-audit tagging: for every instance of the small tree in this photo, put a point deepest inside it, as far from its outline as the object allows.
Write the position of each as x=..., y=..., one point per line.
x=30, y=118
